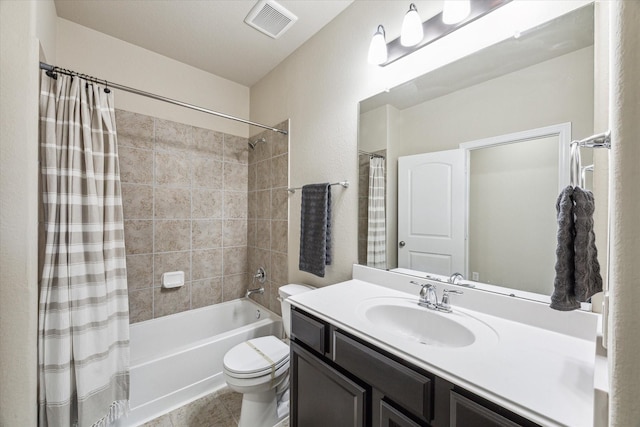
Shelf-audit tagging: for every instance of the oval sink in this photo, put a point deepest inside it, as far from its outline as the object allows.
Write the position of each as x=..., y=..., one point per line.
x=402, y=317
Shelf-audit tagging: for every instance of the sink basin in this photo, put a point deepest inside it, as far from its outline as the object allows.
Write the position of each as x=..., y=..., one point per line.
x=405, y=318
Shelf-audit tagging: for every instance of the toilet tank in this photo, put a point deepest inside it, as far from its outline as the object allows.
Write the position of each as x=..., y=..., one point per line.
x=285, y=292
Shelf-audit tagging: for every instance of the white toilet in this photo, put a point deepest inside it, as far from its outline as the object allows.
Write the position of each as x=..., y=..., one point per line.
x=259, y=369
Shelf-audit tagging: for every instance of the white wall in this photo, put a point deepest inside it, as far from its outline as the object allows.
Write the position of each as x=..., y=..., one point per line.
x=21, y=23
x=91, y=52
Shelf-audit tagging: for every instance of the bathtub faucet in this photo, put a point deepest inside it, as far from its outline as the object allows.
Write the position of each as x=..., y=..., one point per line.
x=259, y=290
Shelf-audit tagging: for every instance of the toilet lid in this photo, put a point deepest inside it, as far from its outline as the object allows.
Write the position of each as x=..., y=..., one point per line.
x=257, y=357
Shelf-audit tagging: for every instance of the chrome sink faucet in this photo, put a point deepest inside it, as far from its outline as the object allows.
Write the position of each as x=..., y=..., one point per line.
x=429, y=297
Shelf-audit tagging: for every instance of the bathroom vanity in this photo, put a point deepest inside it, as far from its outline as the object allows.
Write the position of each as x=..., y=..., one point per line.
x=366, y=354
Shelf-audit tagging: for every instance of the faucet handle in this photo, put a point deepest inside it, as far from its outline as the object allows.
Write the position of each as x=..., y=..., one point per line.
x=444, y=304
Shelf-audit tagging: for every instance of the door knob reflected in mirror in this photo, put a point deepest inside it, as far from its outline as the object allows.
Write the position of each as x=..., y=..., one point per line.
x=401, y=243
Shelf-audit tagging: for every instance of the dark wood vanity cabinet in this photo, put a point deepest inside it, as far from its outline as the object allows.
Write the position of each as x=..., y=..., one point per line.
x=339, y=380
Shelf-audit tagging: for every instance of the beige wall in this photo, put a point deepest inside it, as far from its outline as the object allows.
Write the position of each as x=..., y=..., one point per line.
x=91, y=52
x=21, y=24
x=319, y=86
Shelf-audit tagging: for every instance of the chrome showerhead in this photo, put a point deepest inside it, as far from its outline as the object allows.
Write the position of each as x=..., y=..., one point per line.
x=253, y=144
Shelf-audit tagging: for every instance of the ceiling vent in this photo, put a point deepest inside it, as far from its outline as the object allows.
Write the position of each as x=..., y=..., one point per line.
x=271, y=18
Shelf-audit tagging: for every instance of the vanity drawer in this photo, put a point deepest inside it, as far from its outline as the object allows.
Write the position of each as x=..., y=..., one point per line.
x=406, y=387
x=309, y=331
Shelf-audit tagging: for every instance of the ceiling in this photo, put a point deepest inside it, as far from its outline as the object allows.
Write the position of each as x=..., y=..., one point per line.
x=207, y=34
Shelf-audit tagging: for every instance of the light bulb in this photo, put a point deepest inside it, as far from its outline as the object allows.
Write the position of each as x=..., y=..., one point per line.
x=378, y=48
x=455, y=11
x=411, y=33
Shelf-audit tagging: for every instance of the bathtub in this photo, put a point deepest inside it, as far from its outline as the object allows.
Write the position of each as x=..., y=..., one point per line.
x=178, y=358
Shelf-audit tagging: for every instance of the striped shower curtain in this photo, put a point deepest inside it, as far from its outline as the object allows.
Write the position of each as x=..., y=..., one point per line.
x=376, y=236
x=83, y=324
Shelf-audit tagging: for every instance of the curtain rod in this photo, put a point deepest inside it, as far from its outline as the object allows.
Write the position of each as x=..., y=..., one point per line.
x=52, y=69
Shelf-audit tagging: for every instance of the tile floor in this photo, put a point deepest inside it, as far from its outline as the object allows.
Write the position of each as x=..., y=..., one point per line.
x=218, y=409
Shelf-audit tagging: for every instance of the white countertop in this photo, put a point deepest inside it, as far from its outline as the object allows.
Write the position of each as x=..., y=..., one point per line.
x=541, y=374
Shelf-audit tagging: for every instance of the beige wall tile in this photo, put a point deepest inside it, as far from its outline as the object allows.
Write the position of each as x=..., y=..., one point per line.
x=279, y=236
x=236, y=149
x=263, y=175
x=140, y=305
x=234, y=286
x=262, y=150
x=134, y=130
x=173, y=168
x=206, y=234
x=171, y=261
x=206, y=203
x=251, y=179
x=171, y=202
x=207, y=172
x=138, y=236
x=235, y=232
x=279, y=268
x=206, y=263
x=137, y=201
x=259, y=258
x=136, y=166
x=139, y=271
x=172, y=235
x=251, y=232
x=236, y=176
x=170, y=301
x=173, y=136
x=235, y=260
x=251, y=204
x=280, y=171
x=263, y=234
x=208, y=142
x=280, y=204
x=273, y=302
x=206, y=292
x=263, y=204
x=235, y=204
x=280, y=141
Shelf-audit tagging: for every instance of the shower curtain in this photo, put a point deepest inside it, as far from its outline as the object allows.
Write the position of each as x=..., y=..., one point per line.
x=376, y=235
x=83, y=324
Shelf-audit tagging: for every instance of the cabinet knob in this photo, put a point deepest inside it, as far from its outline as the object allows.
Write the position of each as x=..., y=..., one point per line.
x=401, y=243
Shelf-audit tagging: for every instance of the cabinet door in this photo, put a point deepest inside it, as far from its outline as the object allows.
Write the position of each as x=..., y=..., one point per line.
x=322, y=396
x=467, y=413
x=391, y=417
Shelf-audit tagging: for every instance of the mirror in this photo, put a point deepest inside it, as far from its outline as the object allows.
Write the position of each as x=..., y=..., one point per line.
x=541, y=78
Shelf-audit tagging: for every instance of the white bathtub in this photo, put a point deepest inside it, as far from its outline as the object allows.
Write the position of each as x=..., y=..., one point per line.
x=178, y=358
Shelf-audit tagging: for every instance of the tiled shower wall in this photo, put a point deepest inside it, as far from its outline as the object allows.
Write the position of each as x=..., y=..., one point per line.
x=185, y=208
x=267, y=216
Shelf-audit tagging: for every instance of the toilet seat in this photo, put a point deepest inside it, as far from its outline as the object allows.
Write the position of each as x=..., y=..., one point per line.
x=256, y=358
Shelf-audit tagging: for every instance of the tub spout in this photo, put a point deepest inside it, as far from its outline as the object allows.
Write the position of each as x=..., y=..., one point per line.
x=259, y=290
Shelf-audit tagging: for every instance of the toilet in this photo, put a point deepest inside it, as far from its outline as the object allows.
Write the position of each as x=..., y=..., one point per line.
x=259, y=369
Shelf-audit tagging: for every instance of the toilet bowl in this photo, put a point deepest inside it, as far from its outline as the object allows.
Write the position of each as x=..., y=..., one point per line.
x=259, y=369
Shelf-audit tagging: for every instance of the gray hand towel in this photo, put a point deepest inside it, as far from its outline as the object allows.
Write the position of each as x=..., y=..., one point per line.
x=315, y=228
x=564, y=297
x=588, y=281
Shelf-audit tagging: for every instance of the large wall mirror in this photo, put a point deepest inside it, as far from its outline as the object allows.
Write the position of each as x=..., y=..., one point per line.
x=488, y=107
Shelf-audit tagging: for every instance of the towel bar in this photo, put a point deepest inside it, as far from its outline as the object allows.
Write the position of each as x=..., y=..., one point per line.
x=345, y=184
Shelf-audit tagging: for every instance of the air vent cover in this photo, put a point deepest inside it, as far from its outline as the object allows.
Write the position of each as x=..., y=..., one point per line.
x=271, y=18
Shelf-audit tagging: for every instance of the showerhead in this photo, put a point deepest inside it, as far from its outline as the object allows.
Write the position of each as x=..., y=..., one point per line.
x=253, y=144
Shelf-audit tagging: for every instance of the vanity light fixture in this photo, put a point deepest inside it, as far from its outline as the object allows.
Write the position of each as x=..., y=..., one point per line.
x=412, y=32
x=455, y=11
x=378, y=47
x=416, y=34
